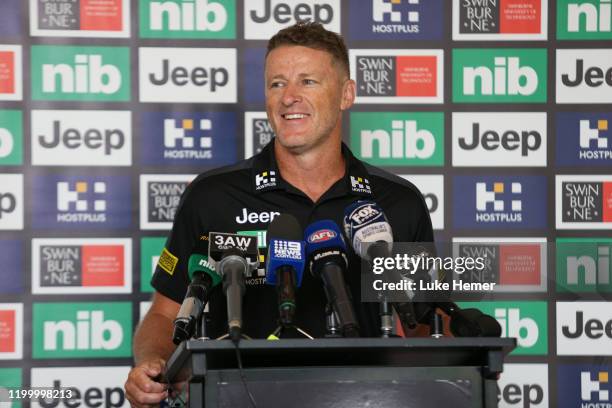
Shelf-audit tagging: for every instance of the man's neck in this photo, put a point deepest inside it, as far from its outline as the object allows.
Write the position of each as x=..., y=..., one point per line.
x=312, y=172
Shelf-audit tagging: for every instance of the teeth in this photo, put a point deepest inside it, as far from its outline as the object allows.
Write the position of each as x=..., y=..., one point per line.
x=294, y=116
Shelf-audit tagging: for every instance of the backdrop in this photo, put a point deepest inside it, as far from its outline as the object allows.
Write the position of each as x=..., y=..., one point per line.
x=498, y=110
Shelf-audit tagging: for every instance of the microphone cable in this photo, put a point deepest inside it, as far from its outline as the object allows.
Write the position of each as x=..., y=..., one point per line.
x=243, y=376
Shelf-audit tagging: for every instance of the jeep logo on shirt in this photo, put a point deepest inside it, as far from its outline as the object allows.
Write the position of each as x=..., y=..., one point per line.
x=254, y=218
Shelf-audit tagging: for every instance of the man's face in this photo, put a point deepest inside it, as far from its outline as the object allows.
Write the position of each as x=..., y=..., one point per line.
x=305, y=96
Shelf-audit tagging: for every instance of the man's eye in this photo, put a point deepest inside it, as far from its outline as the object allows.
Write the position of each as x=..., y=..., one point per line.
x=276, y=85
x=309, y=82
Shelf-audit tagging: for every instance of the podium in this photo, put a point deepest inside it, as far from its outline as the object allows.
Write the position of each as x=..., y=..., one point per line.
x=341, y=372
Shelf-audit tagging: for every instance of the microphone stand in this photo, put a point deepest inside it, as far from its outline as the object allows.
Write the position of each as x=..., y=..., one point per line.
x=331, y=322
x=200, y=331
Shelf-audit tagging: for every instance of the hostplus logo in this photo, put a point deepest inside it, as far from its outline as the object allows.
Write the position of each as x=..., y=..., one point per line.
x=583, y=265
x=81, y=202
x=584, y=138
x=596, y=390
x=10, y=69
x=398, y=138
x=584, y=19
x=360, y=185
x=398, y=76
x=498, y=76
x=80, y=73
x=383, y=11
x=203, y=19
x=180, y=139
x=265, y=179
x=595, y=142
x=11, y=137
x=524, y=320
x=64, y=330
x=492, y=204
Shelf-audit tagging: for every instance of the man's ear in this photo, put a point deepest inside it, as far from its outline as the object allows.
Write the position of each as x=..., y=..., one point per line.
x=348, y=94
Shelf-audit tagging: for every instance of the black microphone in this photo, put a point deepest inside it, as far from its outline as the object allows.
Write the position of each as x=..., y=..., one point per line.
x=326, y=252
x=236, y=256
x=470, y=322
x=371, y=236
x=285, y=263
x=203, y=280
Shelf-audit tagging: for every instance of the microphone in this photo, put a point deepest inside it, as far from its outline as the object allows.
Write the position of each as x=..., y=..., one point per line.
x=326, y=252
x=470, y=322
x=285, y=263
x=236, y=256
x=371, y=236
x=203, y=279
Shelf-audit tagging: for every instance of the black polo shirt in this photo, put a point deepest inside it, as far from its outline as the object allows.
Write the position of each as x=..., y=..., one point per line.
x=245, y=198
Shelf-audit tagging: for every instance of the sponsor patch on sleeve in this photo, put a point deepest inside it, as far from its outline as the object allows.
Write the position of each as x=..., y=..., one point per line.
x=167, y=261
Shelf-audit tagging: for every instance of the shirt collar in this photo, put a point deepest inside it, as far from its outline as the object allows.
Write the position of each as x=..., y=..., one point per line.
x=266, y=176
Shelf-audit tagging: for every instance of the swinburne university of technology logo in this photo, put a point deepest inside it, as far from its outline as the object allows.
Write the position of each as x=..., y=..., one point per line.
x=198, y=139
x=523, y=385
x=160, y=195
x=583, y=265
x=498, y=139
x=584, y=76
x=584, y=386
x=584, y=329
x=499, y=202
x=82, y=330
x=265, y=179
x=257, y=132
x=584, y=19
x=80, y=18
x=584, y=202
x=499, y=21
x=71, y=73
x=84, y=265
x=81, y=138
x=73, y=202
x=263, y=18
x=398, y=76
x=432, y=188
x=11, y=331
x=584, y=139
x=188, y=75
x=524, y=320
x=11, y=201
x=202, y=19
x=10, y=71
x=514, y=264
x=499, y=75
x=398, y=139
x=397, y=20
x=11, y=137
x=105, y=391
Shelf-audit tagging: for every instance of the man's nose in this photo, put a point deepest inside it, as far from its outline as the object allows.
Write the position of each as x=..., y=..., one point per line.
x=291, y=94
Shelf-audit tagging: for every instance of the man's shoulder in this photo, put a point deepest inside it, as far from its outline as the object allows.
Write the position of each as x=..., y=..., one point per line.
x=236, y=173
x=383, y=179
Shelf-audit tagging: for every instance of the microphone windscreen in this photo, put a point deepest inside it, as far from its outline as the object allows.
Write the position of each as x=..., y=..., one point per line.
x=284, y=226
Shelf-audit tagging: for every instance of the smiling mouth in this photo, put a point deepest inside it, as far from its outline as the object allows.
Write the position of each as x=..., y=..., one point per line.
x=291, y=116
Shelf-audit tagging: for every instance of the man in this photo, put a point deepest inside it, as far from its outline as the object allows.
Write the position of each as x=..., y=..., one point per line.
x=307, y=172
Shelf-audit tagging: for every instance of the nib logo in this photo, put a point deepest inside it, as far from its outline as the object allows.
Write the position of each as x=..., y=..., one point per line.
x=398, y=138
x=188, y=19
x=589, y=386
x=524, y=329
x=80, y=73
x=584, y=19
x=583, y=265
x=490, y=75
x=82, y=330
